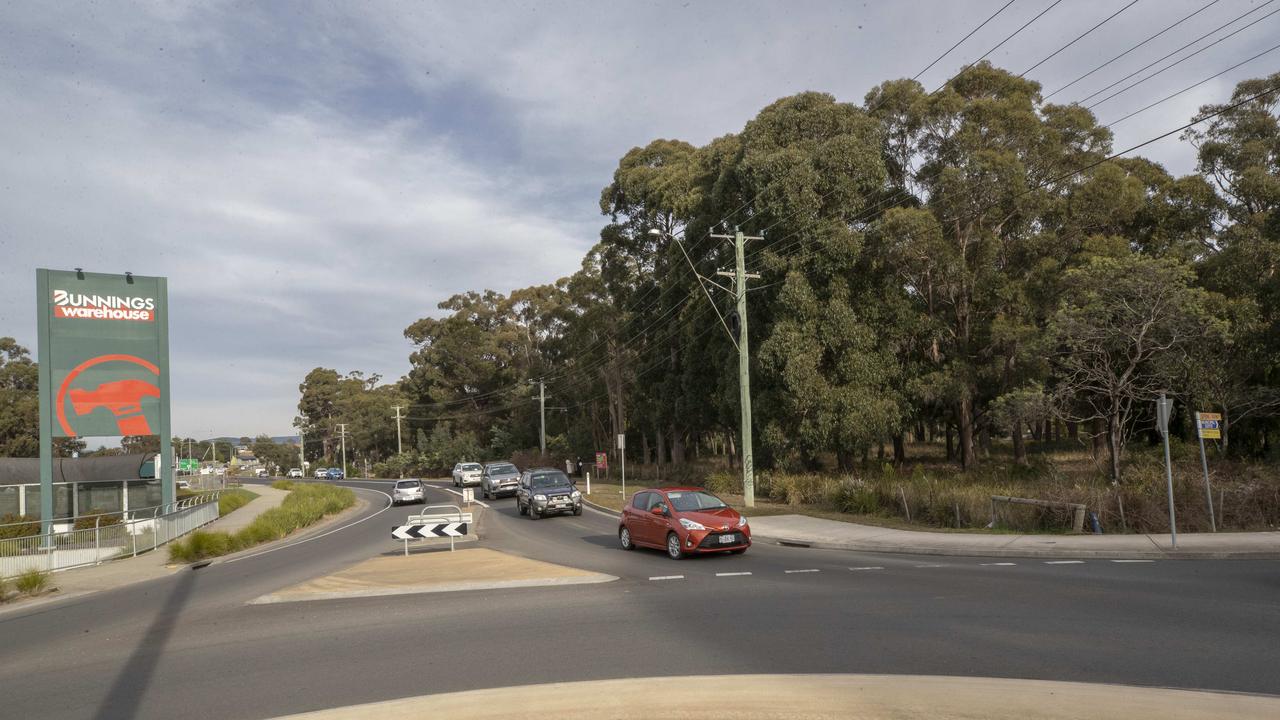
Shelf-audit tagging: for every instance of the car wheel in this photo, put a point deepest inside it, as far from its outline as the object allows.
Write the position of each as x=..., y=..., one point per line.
x=519, y=507
x=533, y=513
x=577, y=512
x=674, y=551
x=624, y=537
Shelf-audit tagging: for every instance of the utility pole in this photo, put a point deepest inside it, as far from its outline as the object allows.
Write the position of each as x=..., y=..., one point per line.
x=399, y=447
x=542, y=417
x=740, y=276
x=302, y=452
x=342, y=433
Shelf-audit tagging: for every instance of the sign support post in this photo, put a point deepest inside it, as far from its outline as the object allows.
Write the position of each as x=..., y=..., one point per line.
x=622, y=448
x=46, y=408
x=1207, y=426
x=1162, y=419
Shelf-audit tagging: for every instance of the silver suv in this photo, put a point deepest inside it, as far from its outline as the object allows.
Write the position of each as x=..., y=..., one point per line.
x=500, y=478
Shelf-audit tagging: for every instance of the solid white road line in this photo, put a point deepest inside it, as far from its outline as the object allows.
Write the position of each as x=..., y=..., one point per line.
x=928, y=566
x=1063, y=562
x=801, y=571
x=733, y=574
x=872, y=567
x=999, y=564
x=481, y=503
x=1132, y=561
x=323, y=534
x=667, y=577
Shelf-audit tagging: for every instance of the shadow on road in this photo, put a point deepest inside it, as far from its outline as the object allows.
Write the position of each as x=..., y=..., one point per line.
x=130, y=686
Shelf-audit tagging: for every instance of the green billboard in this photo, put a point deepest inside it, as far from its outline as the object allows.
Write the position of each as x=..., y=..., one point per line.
x=104, y=362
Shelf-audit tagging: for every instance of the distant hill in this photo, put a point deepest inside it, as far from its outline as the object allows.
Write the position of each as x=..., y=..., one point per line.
x=277, y=439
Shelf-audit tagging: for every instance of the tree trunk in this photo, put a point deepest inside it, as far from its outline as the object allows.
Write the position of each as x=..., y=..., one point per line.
x=880, y=452
x=1035, y=431
x=662, y=450
x=967, y=457
x=1099, y=433
x=951, y=451
x=984, y=440
x=1019, y=447
x=1114, y=441
x=899, y=450
x=677, y=447
x=1226, y=426
x=1073, y=431
x=845, y=460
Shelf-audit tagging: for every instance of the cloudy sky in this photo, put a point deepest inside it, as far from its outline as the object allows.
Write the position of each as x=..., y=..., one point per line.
x=313, y=177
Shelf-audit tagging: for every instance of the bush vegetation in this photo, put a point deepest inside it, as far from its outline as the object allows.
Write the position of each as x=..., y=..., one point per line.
x=18, y=526
x=97, y=518
x=32, y=582
x=305, y=505
x=234, y=500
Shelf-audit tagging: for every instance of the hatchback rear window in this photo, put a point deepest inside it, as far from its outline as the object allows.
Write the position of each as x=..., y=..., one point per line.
x=407, y=484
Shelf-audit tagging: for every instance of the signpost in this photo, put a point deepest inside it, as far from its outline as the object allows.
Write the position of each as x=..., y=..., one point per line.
x=1208, y=425
x=622, y=448
x=423, y=527
x=602, y=461
x=1163, y=408
x=104, y=365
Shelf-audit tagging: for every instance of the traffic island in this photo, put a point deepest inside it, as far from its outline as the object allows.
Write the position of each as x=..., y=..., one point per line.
x=864, y=697
x=469, y=569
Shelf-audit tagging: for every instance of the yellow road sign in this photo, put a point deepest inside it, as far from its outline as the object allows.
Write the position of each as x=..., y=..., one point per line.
x=1209, y=425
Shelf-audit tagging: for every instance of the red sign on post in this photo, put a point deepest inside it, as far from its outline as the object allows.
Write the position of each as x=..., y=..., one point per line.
x=602, y=461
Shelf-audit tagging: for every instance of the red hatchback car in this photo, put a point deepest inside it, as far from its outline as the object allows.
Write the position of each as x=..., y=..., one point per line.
x=682, y=521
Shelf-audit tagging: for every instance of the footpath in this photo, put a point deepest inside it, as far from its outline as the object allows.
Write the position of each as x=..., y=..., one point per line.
x=149, y=565
x=808, y=531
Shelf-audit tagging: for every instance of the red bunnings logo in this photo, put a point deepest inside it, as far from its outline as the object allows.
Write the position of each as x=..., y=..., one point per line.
x=102, y=307
x=122, y=398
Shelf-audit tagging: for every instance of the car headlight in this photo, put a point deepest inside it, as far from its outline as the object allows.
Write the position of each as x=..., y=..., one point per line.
x=540, y=498
x=742, y=521
x=576, y=495
x=688, y=524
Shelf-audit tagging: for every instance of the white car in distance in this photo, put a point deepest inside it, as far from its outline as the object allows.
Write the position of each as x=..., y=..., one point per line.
x=465, y=473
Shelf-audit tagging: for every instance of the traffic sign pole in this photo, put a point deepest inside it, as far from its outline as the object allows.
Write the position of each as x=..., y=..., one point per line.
x=1204, y=463
x=1162, y=417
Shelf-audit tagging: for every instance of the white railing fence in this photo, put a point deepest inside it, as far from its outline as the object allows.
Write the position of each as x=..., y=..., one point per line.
x=112, y=535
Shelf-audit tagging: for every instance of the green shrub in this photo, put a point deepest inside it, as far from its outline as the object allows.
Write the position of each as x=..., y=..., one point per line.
x=234, y=500
x=96, y=518
x=4, y=590
x=32, y=582
x=305, y=505
x=283, y=484
x=18, y=526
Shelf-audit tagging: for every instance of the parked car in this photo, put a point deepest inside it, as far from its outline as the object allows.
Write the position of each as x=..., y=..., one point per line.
x=408, y=491
x=295, y=472
x=547, y=491
x=261, y=472
x=465, y=473
x=184, y=485
x=682, y=521
x=499, y=478
x=321, y=473
x=335, y=474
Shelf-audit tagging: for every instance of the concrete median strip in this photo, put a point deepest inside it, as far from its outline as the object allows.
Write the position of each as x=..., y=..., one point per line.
x=866, y=697
x=470, y=569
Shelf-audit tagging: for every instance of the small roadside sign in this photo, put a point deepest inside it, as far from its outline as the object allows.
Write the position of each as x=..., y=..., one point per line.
x=622, y=441
x=1163, y=407
x=602, y=460
x=1209, y=425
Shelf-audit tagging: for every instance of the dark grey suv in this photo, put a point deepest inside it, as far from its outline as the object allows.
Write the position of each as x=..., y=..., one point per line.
x=499, y=478
x=547, y=491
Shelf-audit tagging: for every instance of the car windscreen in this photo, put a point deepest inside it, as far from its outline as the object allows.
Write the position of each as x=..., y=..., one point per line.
x=693, y=501
x=470, y=467
x=550, y=480
x=407, y=484
x=502, y=469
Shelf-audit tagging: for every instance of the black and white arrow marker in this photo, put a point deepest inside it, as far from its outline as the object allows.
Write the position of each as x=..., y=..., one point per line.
x=433, y=530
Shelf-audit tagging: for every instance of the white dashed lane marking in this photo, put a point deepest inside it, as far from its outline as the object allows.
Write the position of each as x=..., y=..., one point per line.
x=809, y=570
x=872, y=567
x=1132, y=561
x=732, y=574
x=999, y=564
x=667, y=577
x=928, y=566
x=1063, y=562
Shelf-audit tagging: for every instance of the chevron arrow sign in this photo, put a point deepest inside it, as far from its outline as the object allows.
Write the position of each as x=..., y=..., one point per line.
x=433, y=530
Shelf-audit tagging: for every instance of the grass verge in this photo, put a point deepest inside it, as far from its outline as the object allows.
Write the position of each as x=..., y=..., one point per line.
x=32, y=582
x=305, y=505
x=234, y=500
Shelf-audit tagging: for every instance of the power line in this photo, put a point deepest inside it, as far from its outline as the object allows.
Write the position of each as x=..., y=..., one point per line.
x=1175, y=52
x=1078, y=38
x=1001, y=43
x=1204, y=7
x=966, y=37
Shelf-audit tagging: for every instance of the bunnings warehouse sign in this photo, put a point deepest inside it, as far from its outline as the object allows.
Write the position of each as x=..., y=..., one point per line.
x=104, y=340
x=104, y=362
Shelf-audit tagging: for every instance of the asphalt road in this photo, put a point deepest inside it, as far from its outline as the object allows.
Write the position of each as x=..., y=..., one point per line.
x=189, y=646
